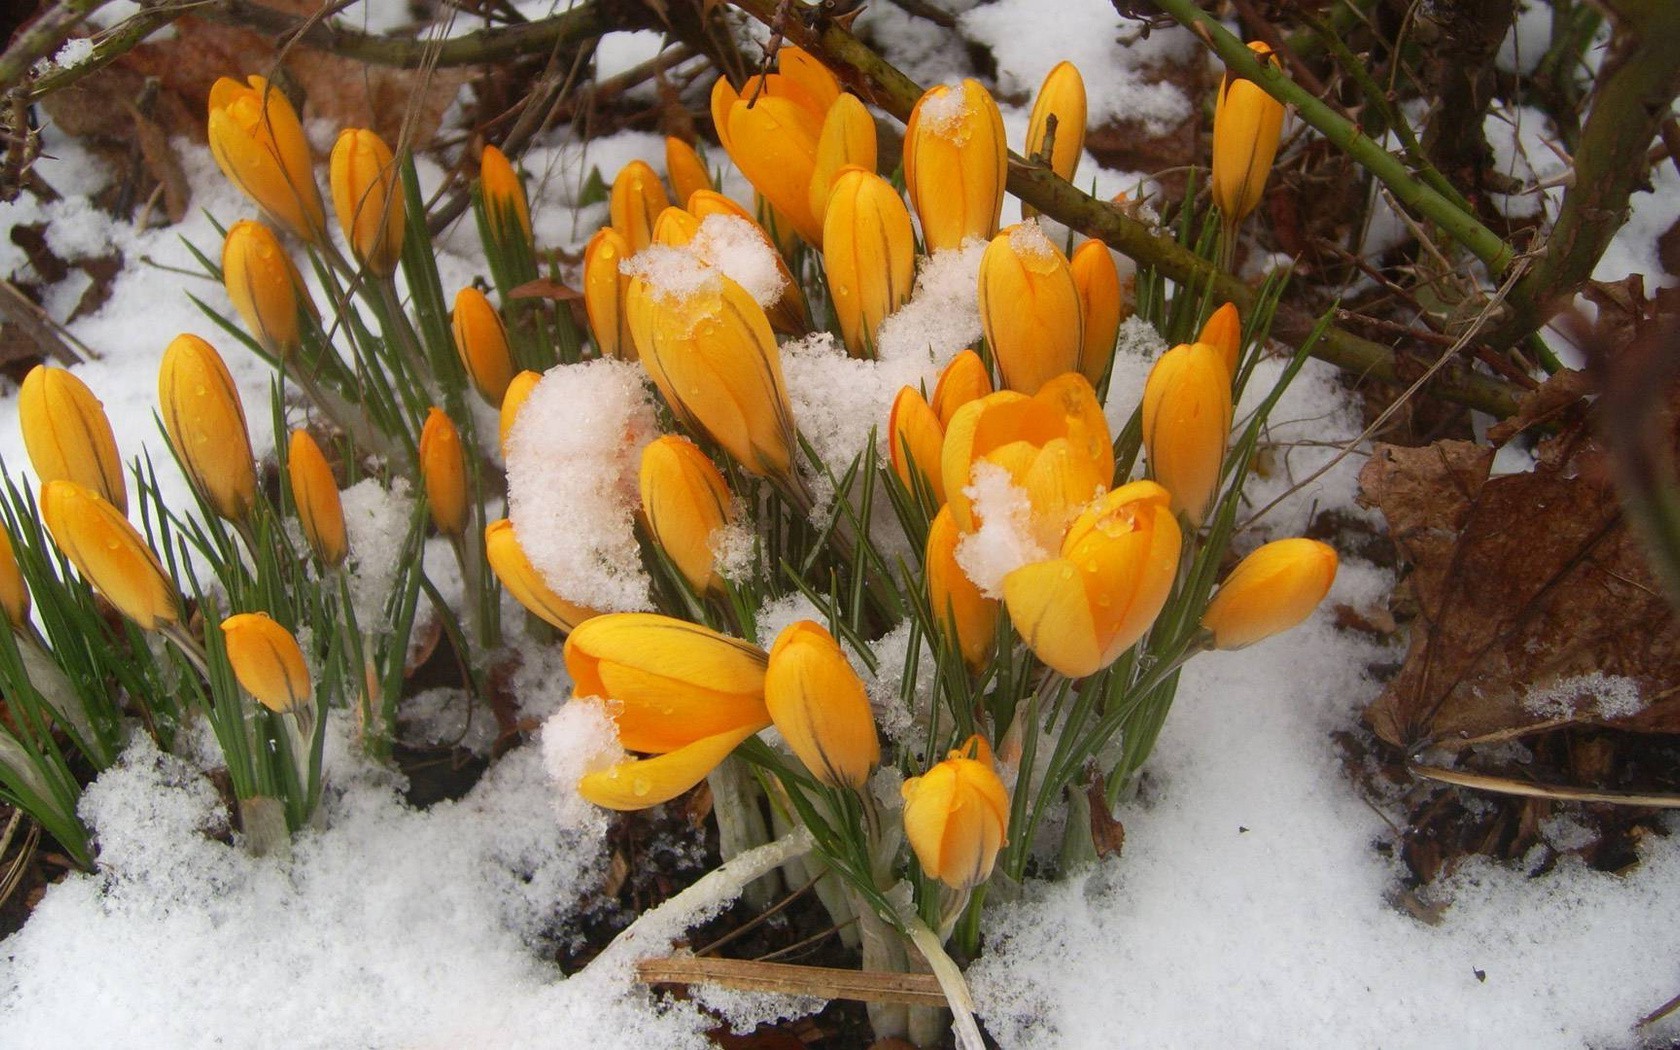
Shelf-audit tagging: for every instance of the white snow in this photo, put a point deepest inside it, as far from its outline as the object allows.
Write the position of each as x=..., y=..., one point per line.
x=1007, y=538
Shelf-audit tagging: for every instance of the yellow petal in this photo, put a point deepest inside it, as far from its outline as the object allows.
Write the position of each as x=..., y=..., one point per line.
x=481, y=341
x=686, y=170
x=1270, y=591
x=267, y=661
x=638, y=783
x=955, y=161
x=443, y=468
x=967, y=617
x=205, y=421
x=1101, y=303
x=1187, y=424
x=965, y=379
x=67, y=435
x=315, y=492
x=868, y=256
x=367, y=196
x=109, y=553
x=1030, y=308
x=1048, y=605
x=508, y=561
x=686, y=501
x=916, y=439
x=847, y=139
x=1062, y=95
x=1223, y=331
x=819, y=704
x=637, y=199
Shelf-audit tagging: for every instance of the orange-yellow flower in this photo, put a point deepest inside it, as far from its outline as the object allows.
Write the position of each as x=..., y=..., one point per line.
x=1247, y=123
x=916, y=440
x=205, y=421
x=508, y=561
x=1029, y=307
x=869, y=255
x=637, y=199
x=965, y=379
x=481, y=340
x=265, y=286
x=502, y=192
x=787, y=314
x=14, y=593
x=1186, y=425
x=443, y=467
x=772, y=133
x=320, y=511
x=1062, y=95
x=686, y=501
x=604, y=286
x=109, y=553
x=847, y=140
x=1101, y=304
x=686, y=170
x=955, y=161
x=519, y=388
x=956, y=816
x=1079, y=611
x=1223, y=331
x=967, y=617
x=367, y=195
x=267, y=661
x=259, y=144
x=1053, y=445
x=820, y=706
x=1270, y=591
x=675, y=227
x=67, y=435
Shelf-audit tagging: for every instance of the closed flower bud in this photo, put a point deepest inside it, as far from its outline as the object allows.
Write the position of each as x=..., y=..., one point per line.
x=519, y=388
x=1270, y=591
x=267, y=661
x=686, y=170
x=1062, y=95
x=1079, y=611
x=686, y=502
x=367, y=195
x=1054, y=445
x=956, y=816
x=1186, y=425
x=637, y=199
x=675, y=227
x=955, y=161
x=673, y=682
x=967, y=617
x=710, y=351
x=259, y=144
x=1247, y=123
x=503, y=193
x=1223, y=332
x=67, y=435
x=14, y=593
x=820, y=706
x=109, y=553
x=265, y=286
x=965, y=379
x=604, y=287
x=772, y=135
x=482, y=341
x=508, y=561
x=205, y=422
x=1100, y=303
x=444, y=470
x=847, y=140
x=788, y=314
x=1029, y=307
x=315, y=492
x=916, y=440
x=869, y=255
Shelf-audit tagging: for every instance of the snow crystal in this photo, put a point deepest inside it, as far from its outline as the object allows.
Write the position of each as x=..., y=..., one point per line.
x=581, y=737
x=777, y=613
x=1027, y=240
x=376, y=520
x=1527, y=41
x=744, y=1011
x=1007, y=537
x=573, y=457
x=897, y=720
x=738, y=248
x=942, y=114
x=1596, y=694
x=73, y=53
x=671, y=272
x=735, y=547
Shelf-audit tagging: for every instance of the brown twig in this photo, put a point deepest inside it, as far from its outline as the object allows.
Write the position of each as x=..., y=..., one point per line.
x=822, y=982
x=1529, y=789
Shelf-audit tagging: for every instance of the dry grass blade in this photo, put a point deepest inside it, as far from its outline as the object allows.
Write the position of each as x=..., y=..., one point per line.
x=823, y=982
x=13, y=877
x=1528, y=789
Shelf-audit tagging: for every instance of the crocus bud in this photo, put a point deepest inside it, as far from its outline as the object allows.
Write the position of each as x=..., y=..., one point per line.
x=674, y=682
x=1270, y=591
x=267, y=661
x=772, y=135
x=710, y=351
x=367, y=195
x=847, y=140
x=604, y=287
x=1098, y=282
x=109, y=553
x=482, y=342
x=315, y=492
x=820, y=706
x=1247, y=123
x=686, y=170
x=1054, y=446
x=787, y=314
x=1079, y=611
x=965, y=379
x=259, y=144
x=444, y=469
x=67, y=435
x=675, y=227
x=1223, y=331
x=967, y=618
x=916, y=439
x=956, y=816
x=503, y=193
x=265, y=286
x=1062, y=95
x=686, y=502
x=519, y=388
x=14, y=593
x=1186, y=424
x=637, y=199
x=508, y=561
x=205, y=421
x=1029, y=307
x=955, y=160
x=869, y=255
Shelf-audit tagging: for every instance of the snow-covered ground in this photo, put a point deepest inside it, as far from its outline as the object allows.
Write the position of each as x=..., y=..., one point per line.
x=1250, y=908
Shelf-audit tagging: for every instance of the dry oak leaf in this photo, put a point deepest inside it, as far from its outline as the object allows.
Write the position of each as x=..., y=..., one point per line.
x=1536, y=607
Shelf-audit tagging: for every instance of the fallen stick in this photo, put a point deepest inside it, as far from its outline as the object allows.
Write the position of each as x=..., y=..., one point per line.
x=822, y=982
